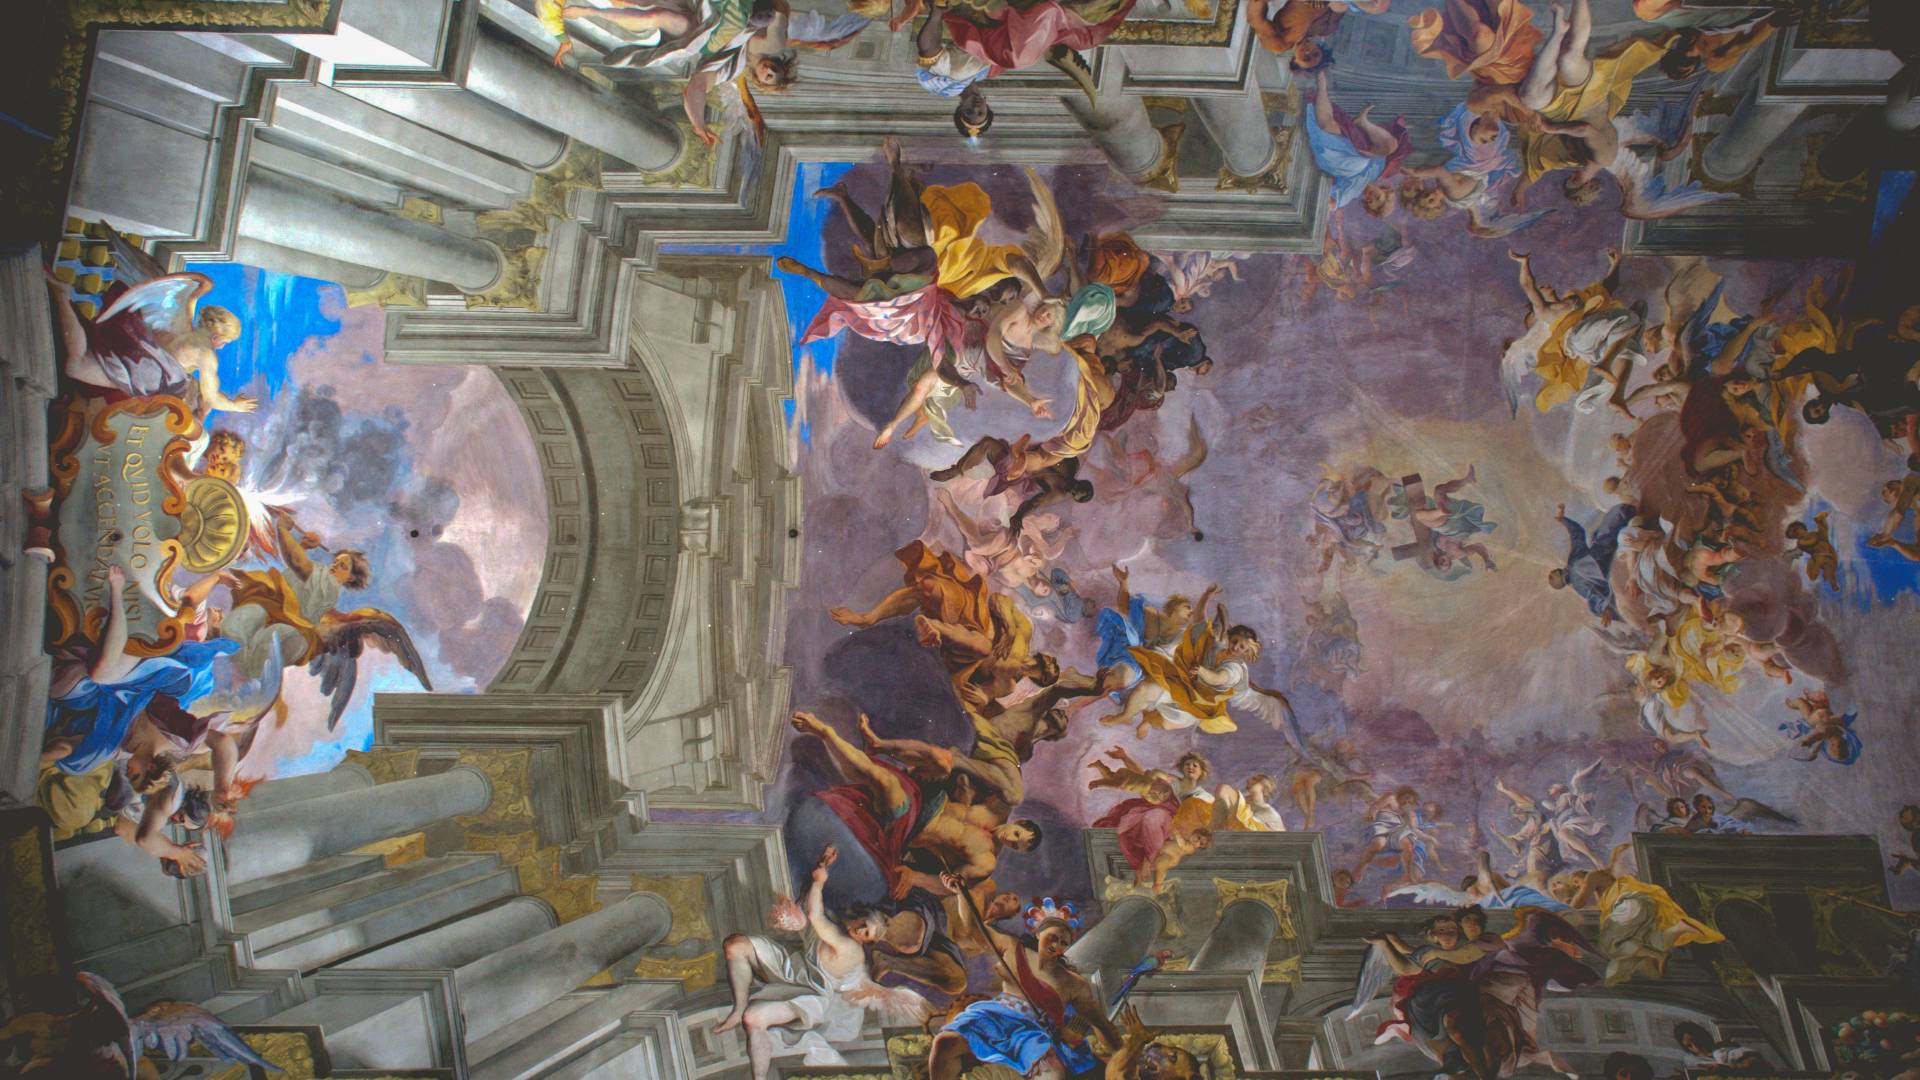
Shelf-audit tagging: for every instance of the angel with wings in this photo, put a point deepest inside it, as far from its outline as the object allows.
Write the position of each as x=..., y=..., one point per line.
x=1640, y=924
x=290, y=617
x=1201, y=684
x=1569, y=338
x=1563, y=816
x=101, y=1039
x=153, y=337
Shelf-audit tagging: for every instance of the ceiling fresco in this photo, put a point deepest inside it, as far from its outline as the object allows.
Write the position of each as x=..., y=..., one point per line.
x=939, y=538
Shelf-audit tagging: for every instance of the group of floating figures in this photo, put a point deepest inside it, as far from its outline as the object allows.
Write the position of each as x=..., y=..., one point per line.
x=141, y=735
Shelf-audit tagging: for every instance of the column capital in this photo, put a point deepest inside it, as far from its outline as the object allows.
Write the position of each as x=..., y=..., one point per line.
x=1270, y=894
x=1166, y=898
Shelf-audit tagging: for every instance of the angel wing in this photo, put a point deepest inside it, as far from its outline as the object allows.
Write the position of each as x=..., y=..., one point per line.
x=1046, y=241
x=165, y=303
x=739, y=112
x=1586, y=781
x=1498, y=224
x=1644, y=195
x=1751, y=810
x=1375, y=975
x=172, y=1027
x=1517, y=362
x=343, y=637
x=1277, y=711
x=132, y=266
x=113, y=1024
x=1432, y=892
x=815, y=30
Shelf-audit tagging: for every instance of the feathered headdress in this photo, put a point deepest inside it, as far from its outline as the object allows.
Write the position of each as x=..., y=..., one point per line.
x=1047, y=911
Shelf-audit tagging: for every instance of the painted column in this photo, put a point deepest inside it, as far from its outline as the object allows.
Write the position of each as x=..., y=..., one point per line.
x=1239, y=941
x=470, y=118
x=1238, y=126
x=1120, y=126
x=1754, y=126
x=281, y=212
x=1118, y=941
x=271, y=793
x=292, y=835
x=464, y=941
x=510, y=983
x=522, y=83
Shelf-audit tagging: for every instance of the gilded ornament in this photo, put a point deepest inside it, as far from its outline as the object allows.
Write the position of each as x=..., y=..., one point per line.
x=1166, y=898
x=292, y=1051
x=694, y=973
x=1165, y=174
x=572, y=898
x=1216, y=31
x=1282, y=971
x=519, y=284
x=397, y=850
x=1742, y=187
x=1818, y=187
x=695, y=167
x=1271, y=178
x=508, y=772
x=686, y=896
x=386, y=766
x=213, y=529
x=1271, y=894
x=28, y=900
x=392, y=290
x=415, y=208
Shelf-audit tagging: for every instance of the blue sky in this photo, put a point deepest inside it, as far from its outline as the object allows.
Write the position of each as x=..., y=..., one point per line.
x=804, y=225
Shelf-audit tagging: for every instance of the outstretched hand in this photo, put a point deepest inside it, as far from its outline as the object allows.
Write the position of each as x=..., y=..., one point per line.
x=827, y=859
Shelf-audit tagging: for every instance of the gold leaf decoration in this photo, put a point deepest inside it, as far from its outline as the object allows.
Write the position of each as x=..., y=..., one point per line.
x=1273, y=894
x=686, y=896
x=695, y=973
x=508, y=772
x=292, y=1051
x=398, y=850
x=1271, y=178
x=1165, y=174
x=387, y=765
x=391, y=290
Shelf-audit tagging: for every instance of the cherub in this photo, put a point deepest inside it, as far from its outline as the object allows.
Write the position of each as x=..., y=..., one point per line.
x=152, y=338
x=1172, y=853
x=1396, y=833
x=1822, y=731
x=1816, y=544
x=296, y=613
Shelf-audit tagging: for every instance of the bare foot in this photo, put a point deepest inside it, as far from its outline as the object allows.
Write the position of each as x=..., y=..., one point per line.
x=730, y=1021
x=882, y=439
x=849, y=617
x=925, y=632
x=866, y=732
x=790, y=264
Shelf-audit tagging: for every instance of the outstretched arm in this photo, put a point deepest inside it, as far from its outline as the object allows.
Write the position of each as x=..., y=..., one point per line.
x=292, y=551
x=828, y=931
x=694, y=100
x=967, y=920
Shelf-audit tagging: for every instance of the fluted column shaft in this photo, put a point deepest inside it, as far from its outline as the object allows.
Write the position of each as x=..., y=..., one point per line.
x=1121, y=127
x=464, y=941
x=269, y=794
x=292, y=835
x=1238, y=126
x=470, y=118
x=1118, y=941
x=522, y=83
x=510, y=983
x=1754, y=126
x=1239, y=941
x=279, y=211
